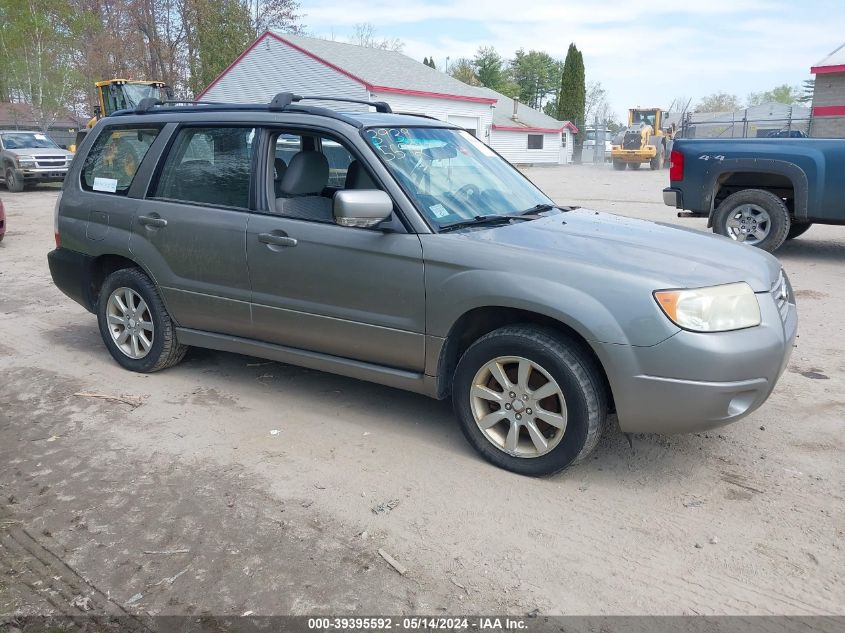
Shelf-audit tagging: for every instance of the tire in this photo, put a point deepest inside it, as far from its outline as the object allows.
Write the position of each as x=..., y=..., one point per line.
x=13, y=182
x=796, y=229
x=657, y=162
x=768, y=212
x=164, y=350
x=618, y=165
x=633, y=165
x=559, y=365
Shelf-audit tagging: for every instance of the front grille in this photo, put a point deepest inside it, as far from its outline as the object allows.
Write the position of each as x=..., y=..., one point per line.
x=780, y=293
x=50, y=161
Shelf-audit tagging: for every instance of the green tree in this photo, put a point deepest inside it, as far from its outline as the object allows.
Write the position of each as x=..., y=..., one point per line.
x=536, y=74
x=218, y=32
x=573, y=91
x=718, y=102
x=490, y=68
x=38, y=51
x=808, y=87
x=786, y=94
x=463, y=70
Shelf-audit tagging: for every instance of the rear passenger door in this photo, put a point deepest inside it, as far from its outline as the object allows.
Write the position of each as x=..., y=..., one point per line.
x=190, y=230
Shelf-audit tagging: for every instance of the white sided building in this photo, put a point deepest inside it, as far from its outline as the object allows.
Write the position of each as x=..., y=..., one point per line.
x=280, y=62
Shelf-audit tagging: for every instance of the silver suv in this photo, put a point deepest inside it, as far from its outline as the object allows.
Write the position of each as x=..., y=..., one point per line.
x=402, y=250
x=30, y=157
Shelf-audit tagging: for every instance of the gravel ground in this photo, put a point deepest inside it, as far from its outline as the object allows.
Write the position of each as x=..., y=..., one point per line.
x=229, y=484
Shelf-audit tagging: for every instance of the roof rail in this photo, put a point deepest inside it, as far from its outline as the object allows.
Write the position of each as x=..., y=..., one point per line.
x=284, y=99
x=282, y=102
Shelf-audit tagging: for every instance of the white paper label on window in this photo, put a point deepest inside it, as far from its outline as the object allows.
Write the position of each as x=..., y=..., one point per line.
x=439, y=211
x=41, y=137
x=105, y=184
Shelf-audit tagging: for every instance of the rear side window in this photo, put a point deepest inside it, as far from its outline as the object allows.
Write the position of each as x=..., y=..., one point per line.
x=113, y=161
x=208, y=165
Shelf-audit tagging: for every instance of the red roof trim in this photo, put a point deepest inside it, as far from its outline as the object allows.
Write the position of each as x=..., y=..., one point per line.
x=232, y=65
x=829, y=110
x=543, y=130
x=366, y=84
x=435, y=95
x=823, y=70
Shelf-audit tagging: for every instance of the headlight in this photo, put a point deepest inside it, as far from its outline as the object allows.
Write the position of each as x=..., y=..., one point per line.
x=714, y=309
x=25, y=161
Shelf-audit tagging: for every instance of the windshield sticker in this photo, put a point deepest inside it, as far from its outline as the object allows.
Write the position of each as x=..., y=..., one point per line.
x=105, y=184
x=40, y=137
x=439, y=211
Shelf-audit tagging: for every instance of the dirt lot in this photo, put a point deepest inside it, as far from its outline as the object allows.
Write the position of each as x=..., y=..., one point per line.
x=239, y=485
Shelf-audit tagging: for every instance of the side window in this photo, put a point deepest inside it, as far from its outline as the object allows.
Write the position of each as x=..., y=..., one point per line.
x=339, y=160
x=208, y=165
x=114, y=159
x=535, y=141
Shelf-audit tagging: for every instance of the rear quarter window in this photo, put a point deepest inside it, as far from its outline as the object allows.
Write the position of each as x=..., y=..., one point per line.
x=113, y=160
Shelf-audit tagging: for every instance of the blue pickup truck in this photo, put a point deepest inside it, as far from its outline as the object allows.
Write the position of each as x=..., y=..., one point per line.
x=759, y=191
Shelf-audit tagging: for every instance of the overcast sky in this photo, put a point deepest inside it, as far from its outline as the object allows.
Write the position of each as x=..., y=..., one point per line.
x=644, y=52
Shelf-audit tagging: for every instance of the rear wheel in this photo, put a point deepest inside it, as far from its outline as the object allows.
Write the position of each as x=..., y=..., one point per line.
x=529, y=399
x=633, y=165
x=796, y=229
x=657, y=161
x=134, y=323
x=753, y=216
x=618, y=165
x=14, y=182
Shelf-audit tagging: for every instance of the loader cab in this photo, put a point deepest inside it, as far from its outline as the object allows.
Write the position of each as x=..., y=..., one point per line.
x=637, y=118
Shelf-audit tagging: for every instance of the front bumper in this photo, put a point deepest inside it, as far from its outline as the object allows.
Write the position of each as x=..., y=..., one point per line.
x=694, y=381
x=673, y=198
x=43, y=174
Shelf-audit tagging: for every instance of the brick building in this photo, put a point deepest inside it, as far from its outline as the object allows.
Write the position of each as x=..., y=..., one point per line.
x=829, y=96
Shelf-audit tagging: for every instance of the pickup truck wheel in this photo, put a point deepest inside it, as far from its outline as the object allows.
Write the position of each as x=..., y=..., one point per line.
x=796, y=229
x=755, y=217
x=14, y=183
x=134, y=323
x=529, y=400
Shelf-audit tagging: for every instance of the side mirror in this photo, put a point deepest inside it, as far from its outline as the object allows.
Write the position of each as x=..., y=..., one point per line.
x=362, y=208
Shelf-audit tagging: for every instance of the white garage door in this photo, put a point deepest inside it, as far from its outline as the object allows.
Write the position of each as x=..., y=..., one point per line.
x=469, y=123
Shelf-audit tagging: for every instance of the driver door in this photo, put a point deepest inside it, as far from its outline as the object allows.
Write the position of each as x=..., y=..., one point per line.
x=343, y=291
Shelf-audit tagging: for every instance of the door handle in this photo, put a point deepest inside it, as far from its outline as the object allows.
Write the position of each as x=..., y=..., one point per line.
x=276, y=240
x=148, y=220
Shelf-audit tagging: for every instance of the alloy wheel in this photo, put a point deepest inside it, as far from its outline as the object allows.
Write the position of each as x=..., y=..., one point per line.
x=749, y=223
x=130, y=323
x=518, y=406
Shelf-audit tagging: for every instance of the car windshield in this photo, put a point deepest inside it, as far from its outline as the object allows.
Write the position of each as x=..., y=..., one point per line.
x=26, y=140
x=451, y=176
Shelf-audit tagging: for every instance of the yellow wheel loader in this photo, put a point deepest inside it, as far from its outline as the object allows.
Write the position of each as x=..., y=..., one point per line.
x=121, y=94
x=645, y=140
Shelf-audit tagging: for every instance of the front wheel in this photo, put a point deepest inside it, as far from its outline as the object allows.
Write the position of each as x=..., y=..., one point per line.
x=529, y=399
x=134, y=323
x=753, y=216
x=14, y=181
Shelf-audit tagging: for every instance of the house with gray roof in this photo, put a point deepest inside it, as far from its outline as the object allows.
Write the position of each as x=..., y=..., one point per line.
x=280, y=62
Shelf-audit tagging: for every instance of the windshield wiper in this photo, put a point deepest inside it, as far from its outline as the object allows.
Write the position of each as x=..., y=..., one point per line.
x=538, y=208
x=478, y=221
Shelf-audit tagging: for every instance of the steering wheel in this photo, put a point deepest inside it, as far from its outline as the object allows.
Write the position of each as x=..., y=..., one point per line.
x=469, y=191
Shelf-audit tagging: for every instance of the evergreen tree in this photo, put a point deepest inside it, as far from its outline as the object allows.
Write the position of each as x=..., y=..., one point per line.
x=573, y=90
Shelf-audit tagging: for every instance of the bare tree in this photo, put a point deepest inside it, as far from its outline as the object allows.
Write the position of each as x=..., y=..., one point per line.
x=364, y=34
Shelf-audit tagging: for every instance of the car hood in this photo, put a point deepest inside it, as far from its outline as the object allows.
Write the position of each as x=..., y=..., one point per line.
x=40, y=151
x=679, y=257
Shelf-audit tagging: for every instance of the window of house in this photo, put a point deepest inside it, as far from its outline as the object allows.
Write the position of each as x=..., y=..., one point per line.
x=208, y=165
x=535, y=141
x=563, y=139
x=113, y=161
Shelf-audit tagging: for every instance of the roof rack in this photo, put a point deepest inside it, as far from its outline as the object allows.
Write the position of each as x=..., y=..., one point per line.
x=282, y=102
